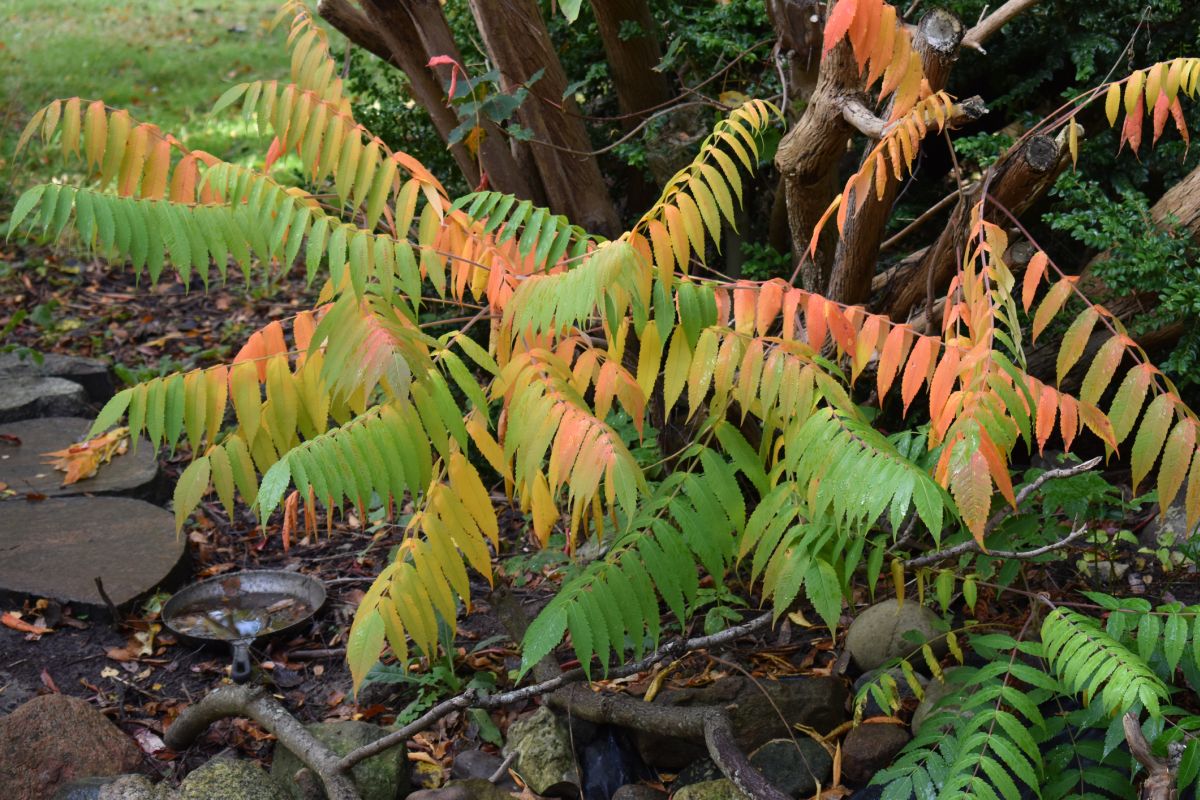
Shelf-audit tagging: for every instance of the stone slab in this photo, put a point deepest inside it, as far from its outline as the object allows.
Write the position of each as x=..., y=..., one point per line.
x=90, y=373
x=56, y=548
x=27, y=397
x=25, y=469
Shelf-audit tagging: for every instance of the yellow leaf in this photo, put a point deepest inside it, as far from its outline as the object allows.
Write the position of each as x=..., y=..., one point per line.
x=545, y=513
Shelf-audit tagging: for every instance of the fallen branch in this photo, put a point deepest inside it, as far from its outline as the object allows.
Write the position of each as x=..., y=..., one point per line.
x=548, y=682
x=253, y=702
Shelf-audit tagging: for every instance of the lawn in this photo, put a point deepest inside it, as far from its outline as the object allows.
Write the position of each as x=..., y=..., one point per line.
x=166, y=62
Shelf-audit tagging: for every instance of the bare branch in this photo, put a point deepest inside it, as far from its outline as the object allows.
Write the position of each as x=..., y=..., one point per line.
x=992, y=23
x=972, y=546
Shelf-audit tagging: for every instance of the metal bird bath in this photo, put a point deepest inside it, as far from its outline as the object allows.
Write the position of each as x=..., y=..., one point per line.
x=242, y=608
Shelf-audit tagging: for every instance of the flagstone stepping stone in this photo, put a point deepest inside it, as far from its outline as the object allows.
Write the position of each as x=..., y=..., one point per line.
x=28, y=397
x=24, y=467
x=57, y=548
x=90, y=373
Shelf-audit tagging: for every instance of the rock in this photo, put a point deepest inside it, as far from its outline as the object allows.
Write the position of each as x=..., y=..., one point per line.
x=608, y=762
x=721, y=789
x=122, y=787
x=794, y=767
x=90, y=373
x=905, y=692
x=55, y=739
x=381, y=777
x=1166, y=530
x=230, y=779
x=475, y=764
x=868, y=749
x=25, y=398
x=935, y=691
x=25, y=469
x=637, y=791
x=868, y=793
x=471, y=764
x=760, y=711
x=877, y=634
x=56, y=549
x=701, y=770
x=544, y=760
x=470, y=789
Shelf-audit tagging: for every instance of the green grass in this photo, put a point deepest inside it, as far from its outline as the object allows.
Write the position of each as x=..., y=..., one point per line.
x=166, y=61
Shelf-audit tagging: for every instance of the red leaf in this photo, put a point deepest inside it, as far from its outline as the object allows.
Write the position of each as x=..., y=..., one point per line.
x=1161, y=108
x=273, y=153
x=1131, y=131
x=1180, y=122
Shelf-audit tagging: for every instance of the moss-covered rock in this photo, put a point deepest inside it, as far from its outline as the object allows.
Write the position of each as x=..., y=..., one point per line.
x=381, y=777
x=877, y=635
x=229, y=779
x=545, y=760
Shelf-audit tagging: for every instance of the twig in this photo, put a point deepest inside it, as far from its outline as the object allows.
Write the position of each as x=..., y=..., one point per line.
x=472, y=699
x=926, y=215
x=316, y=655
x=1160, y=773
x=502, y=770
x=973, y=546
x=112, y=607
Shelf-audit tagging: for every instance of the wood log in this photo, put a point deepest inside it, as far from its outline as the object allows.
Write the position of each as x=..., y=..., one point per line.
x=1017, y=180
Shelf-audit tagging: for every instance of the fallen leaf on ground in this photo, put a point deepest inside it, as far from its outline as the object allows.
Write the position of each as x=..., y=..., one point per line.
x=10, y=620
x=84, y=459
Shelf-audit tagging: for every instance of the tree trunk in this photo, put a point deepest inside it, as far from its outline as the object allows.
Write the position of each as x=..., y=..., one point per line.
x=519, y=45
x=390, y=30
x=808, y=158
x=937, y=39
x=1017, y=180
x=632, y=59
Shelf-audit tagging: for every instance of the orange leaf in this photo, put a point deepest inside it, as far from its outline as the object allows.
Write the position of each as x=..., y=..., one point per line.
x=894, y=348
x=943, y=381
x=770, y=300
x=917, y=370
x=998, y=466
x=1180, y=122
x=1033, y=276
x=1046, y=409
x=1131, y=131
x=840, y=327
x=745, y=297
x=1068, y=419
x=10, y=620
x=885, y=44
x=1161, y=109
x=838, y=23
x=814, y=319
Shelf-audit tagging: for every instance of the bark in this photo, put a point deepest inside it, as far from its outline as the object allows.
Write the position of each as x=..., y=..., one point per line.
x=808, y=157
x=1182, y=204
x=519, y=44
x=389, y=31
x=938, y=36
x=1160, y=782
x=1016, y=181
